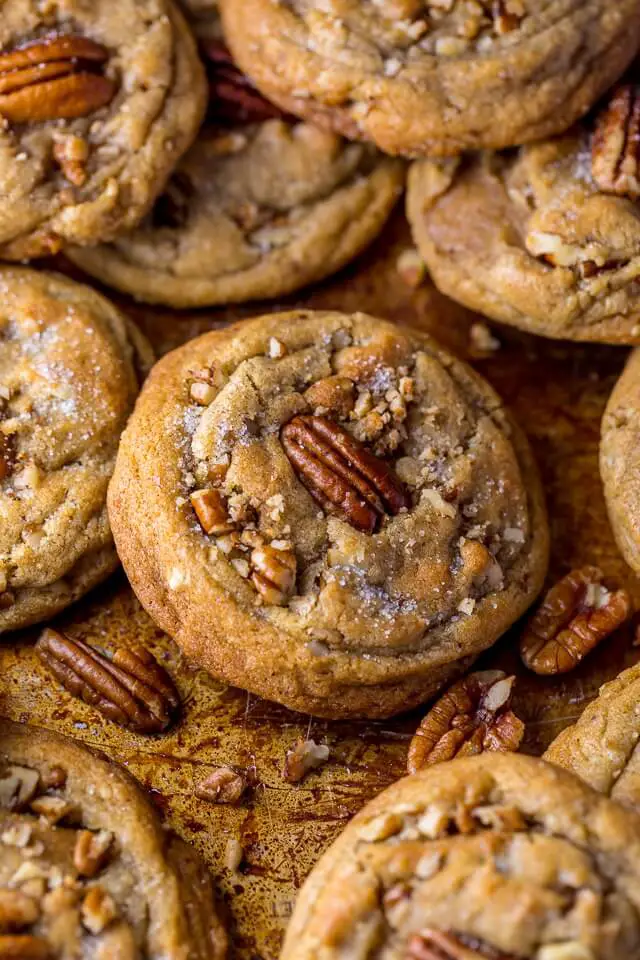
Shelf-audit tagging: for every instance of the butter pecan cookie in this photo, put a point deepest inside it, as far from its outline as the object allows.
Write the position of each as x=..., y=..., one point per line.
x=496, y=857
x=86, y=870
x=620, y=459
x=434, y=77
x=70, y=367
x=258, y=208
x=98, y=101
x=327, y=510
x=546, y=238
x=602, y=747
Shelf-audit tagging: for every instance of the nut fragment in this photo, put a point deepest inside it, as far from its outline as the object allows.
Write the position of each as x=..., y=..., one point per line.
x=98, y=910
x=132, y=689
x=574, y=617
x=91, y=851
x=212, y=511
x=24, y=947
x=337, y=395
x=435, y=945
x=18, y=785
x=473, y=716
x=305, y=755
x=274, y=574
x=53, y=809
x=54, y=79
x=615, y=157
x=17, y=910
x=341, y=474
x=224, y=785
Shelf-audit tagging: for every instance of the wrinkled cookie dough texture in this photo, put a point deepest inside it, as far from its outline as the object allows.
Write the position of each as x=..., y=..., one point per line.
x=431, y=78
x=255, y=212
x=362, y=624
x=528, y=239
x=620, y=461
x=496, y=856
x=85, y=179
x=602, y=747
x=70, y=367
x=86, y=868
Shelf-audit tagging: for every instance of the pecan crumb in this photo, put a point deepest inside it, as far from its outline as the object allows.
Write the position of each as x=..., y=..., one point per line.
x=224, y=785
x=305, y=755
x=92, y=851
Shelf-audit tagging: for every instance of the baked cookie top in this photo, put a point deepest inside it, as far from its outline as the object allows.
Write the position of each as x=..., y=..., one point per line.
x=495, y=857
x=86, y=870
x=70, y=368
x=98, y=100
x=259, y=207
x=602, y=747
x=546, y=238
x=315, y=503
x=427, y=78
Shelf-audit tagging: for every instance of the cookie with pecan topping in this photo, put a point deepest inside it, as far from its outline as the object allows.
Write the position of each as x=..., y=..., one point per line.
x=435, y=77
x=496, y=857
x=260, y=206
x=70, y=369
x=546, y=238
x=327, y=510
x=98, y=102
x=86, y=870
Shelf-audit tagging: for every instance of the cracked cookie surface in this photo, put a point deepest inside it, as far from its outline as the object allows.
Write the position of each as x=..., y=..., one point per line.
x=70, y=368
x=430, y=78
x=530, y=238
x=492, y=857
x=86, y=870
x=327, y=510
x=107, y=98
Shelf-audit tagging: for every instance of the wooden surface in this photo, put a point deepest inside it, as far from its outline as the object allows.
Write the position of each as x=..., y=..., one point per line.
x=558, y=394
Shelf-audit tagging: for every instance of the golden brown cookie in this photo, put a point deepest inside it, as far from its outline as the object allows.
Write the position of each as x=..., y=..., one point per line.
x=619, y=460
x=260, y=206
x=70, y=369
x=602, y=747
x=327, y=510
x=426, y=77
x=98, y=101
x=86, y=870
x=497, y=857
x=546, y=238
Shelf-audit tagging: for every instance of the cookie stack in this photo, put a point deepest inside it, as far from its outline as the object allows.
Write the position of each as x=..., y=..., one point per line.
x=319, y=507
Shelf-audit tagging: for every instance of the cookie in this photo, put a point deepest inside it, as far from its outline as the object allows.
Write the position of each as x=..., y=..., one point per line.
x=86, y=868
x=495, y=857
x=70, y=368
x=602, y=747
x=619, y=446
x=327, y=510
x=99, y=102
x=435, y=78
x=258, y=208
x=546, y=238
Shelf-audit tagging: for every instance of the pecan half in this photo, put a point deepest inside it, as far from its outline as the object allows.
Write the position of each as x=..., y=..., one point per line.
x=133, y=690
x=232, y=97
x=437, y=945
x=341, y=474
x=55, y=78
x=615, y=155
x=574, y=617
x=473, y=716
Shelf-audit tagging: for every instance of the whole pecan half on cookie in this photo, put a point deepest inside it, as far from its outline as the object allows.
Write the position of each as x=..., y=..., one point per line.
x=56, y=78
x=474, y=715
x=437, y=945
x=615, y=158
x=574, y=617
x=341, y=474
x=133, y=690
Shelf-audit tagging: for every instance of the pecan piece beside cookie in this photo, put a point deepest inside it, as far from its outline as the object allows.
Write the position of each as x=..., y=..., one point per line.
x=615, y=159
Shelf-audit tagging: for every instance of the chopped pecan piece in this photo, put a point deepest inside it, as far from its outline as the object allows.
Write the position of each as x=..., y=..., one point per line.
x=232, y=97
x=436, y=945
x=212, y=512
x=224, y=785
x=341, y=474
x=132, y=689
x=55, y=78
x=18, y=786
x=17, y=910
x=24, y=947
x=615, y=157
x=473, y=716
x=274, y=574
x=336, y=394
x=304, y=756
x=91, y=852
x=574, y=617
x=98, y=910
